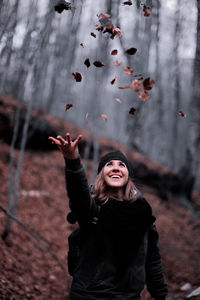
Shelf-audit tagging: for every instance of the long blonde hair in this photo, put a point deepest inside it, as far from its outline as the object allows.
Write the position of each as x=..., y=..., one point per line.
x=100, y=189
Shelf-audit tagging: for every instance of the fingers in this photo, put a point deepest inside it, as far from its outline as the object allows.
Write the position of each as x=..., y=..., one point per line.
x=62, y=141
x=68, y=138
x=54, y=141
x=77, y=139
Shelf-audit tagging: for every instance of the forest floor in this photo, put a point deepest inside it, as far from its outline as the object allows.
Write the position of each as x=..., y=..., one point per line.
x=29, y=270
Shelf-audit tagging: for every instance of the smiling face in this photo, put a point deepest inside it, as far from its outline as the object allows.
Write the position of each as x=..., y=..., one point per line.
x=115, y=174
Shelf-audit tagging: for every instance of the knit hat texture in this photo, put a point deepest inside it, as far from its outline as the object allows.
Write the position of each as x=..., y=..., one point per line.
x=115, y=155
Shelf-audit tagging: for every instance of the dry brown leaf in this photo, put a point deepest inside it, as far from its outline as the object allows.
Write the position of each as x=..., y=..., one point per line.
x=93, y=34
x=124, y=87
x=181, y=113
x=131, y=51
x=144, y=95
x=117, y=62
x=113, y=80
x=148, y=84
x=98, y=64
x=68, y=106
x=114, y=52
x=136, y=85
x=86, y=118
x=146, y=10
x=103, y=116
x=127, y=3
x=77, y=76
x=87, y=62
x=128, y=70
x=118, y=100
x=132, y=111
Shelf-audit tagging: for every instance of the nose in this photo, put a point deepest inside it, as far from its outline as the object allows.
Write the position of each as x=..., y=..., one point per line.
x=115, y=168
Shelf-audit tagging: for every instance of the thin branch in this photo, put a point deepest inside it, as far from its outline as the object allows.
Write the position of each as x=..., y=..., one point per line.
x=38, y=238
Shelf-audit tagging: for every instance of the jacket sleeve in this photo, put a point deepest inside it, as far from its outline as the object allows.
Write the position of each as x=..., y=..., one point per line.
x=154, y=271
x=80, y=201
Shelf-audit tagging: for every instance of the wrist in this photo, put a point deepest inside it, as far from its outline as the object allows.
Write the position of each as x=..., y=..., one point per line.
x=73, y=163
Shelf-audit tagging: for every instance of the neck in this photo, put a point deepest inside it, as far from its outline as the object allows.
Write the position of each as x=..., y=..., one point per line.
x=116, y=192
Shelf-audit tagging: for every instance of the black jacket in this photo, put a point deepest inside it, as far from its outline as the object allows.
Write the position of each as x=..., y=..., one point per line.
x=119, y=255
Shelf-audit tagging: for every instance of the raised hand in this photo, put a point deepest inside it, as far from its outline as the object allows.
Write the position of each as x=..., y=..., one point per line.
x=68, y=147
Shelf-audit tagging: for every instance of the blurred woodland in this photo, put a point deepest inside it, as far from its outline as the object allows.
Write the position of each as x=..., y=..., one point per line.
x=126, y=74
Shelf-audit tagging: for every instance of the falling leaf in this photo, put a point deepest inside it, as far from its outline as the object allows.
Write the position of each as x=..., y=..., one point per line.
x=114, y=52
x=128, y=70
x=93, y=34
x=136, y=85
x=132, y=111
x=98, y=64
x=116, y=30
x=146, y=10
x=148, y=84
x=124, y=87
x=117, y=62
x=104, y=19
x=113, y=80
x=77, y=76
x=181, y=113
x=81, y=44
x=86, y=118
x=99, y=27
x=131, y=51
x=118, y=100
x=109, y=28
x=87, y=62
x=103, y=116
x=62, y=5
x=127, y=3
x=144, y=95
x=68, y=106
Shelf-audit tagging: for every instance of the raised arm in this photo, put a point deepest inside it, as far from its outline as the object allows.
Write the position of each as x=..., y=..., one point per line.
x=80, y=200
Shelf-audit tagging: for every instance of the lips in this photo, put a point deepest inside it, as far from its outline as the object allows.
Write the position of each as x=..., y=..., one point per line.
x=115, y=176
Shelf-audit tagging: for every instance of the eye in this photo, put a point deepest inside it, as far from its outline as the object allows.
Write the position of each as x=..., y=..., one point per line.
x=122, y=164
x=109, y=163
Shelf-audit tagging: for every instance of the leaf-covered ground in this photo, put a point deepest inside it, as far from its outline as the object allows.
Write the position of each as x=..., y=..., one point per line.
x=29, y=271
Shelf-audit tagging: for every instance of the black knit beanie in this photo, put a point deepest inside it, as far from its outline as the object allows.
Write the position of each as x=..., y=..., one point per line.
x=115, y=155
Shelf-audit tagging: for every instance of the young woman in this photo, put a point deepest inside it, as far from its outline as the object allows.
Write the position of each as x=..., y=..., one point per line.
x=119, y=253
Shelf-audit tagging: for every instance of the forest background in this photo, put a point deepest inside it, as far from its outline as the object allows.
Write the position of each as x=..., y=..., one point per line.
x=138, y=84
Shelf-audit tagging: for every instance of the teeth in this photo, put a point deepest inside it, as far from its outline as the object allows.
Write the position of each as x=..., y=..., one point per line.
x=115, y=176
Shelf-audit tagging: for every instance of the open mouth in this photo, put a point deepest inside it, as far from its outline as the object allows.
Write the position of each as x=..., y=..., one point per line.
x=115, y=176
